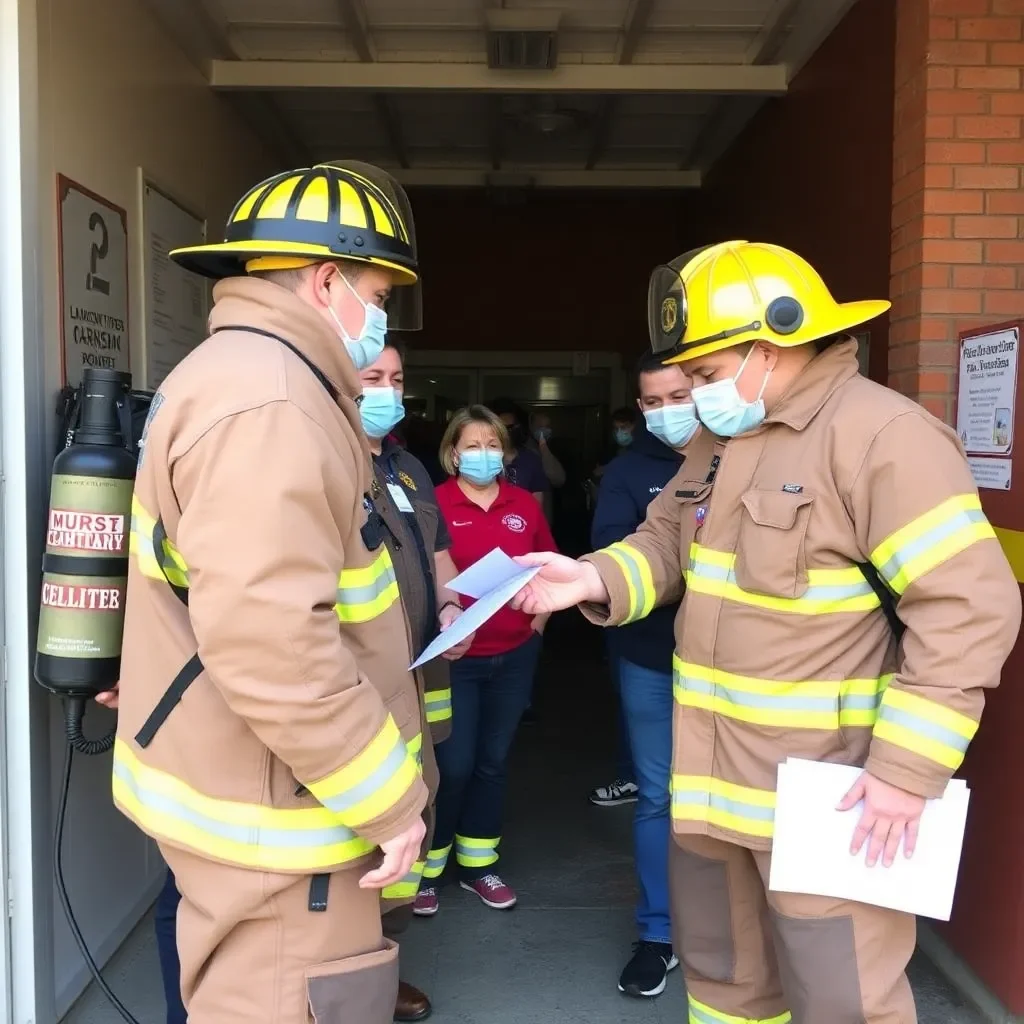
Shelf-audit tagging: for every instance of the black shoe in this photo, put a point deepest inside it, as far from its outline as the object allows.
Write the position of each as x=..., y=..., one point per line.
x=647, y=973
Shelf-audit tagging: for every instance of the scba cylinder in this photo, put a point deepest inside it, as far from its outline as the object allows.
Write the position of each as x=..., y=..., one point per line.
x=85, y=567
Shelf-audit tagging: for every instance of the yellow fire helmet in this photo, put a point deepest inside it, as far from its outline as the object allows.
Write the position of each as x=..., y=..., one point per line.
x=343, y=210
x=723, y=295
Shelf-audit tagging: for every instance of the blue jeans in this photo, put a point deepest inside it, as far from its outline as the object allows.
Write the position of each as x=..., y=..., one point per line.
x=624, y=770
x=166, y=924
x=647, y=702
x=489, y=696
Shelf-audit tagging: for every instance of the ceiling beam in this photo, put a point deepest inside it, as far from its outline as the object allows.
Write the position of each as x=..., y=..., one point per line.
x=465, y=177
x=765, y=45
x=816, y=23
x=202, y=39
x=357, y=25
x=638, y=15
x=766, y=79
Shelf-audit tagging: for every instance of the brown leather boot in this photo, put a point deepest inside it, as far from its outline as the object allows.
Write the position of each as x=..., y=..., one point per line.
x=411, y=1004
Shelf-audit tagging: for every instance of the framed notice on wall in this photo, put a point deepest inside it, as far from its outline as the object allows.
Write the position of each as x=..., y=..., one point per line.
x=986, y=408
x=175, y=303
x=92, y=242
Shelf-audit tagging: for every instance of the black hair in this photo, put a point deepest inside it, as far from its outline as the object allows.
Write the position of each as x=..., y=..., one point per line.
x=507, y=407
x=648, y=363
x=398, y=344
x=624, y=414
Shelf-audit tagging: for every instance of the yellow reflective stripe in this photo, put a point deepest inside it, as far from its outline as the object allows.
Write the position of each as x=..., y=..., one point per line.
x=250, y=835
x=438, y=705
x=365, y=593
x=828, y=591
x=725, y=804
x=406, y=887
x=170, y=566
x=826, y=704
x=476, y=853
x=639, y=580
x=924, y=727
x=930, y=540
x=701, y=1013
x=372, y=782
x=415, y=748
x=436, y=861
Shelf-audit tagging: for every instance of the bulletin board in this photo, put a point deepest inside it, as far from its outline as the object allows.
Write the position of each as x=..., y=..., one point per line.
x=176, y=303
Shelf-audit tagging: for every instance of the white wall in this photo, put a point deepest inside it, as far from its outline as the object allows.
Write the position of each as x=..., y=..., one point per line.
x=115, y=94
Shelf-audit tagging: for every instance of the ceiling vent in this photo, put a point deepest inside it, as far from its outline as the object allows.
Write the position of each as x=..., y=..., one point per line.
x=522, y=40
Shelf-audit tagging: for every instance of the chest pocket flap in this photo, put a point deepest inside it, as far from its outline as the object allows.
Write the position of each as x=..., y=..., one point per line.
x=770, y=554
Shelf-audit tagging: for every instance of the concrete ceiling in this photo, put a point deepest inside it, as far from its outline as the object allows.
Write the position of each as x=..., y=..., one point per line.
x=630, y=93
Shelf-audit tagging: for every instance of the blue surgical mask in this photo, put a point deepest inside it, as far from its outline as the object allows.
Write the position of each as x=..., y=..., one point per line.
x=480, y=466
x=381, y=410
x=366, y=349
x=673, y=425
x=722, y=409
x=623, y=437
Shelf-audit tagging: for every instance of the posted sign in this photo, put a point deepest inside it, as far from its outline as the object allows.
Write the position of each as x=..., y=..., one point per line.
x=93, y=238
x=986, y=406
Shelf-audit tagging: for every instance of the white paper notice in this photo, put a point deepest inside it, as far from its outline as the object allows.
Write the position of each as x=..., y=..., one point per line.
x=493, y=581
x=991, y=473
x=811, y=849
x=988, y=391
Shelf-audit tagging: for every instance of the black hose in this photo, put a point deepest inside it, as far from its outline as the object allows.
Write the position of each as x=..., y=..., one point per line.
x=58, y=870
x=74, y=713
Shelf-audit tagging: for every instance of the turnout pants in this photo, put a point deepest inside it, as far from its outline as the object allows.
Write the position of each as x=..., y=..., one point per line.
x=756, y=957
x=254, y=948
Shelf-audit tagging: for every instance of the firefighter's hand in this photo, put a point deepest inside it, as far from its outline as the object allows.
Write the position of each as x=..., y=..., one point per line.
x=889, y=814
x=109, y=698
x=561, y=583
x=400, y=854
x=447, y=616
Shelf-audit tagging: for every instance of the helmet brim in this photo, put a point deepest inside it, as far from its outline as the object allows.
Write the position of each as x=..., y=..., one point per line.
x=844, y=317
x=228, y=259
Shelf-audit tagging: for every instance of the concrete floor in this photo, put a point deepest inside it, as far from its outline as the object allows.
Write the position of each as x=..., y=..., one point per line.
x=555, y=958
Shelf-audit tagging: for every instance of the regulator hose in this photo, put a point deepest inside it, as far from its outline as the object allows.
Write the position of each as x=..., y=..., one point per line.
x=74, y=714
x=73, y=719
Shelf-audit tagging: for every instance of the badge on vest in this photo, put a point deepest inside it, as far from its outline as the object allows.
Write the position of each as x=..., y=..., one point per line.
x=793, y=488
x=399, y=497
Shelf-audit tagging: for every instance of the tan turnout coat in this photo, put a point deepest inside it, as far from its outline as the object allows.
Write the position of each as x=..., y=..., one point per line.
x=782, y=647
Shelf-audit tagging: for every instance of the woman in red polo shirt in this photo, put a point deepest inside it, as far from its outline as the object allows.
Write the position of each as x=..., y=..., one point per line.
x=491, y=684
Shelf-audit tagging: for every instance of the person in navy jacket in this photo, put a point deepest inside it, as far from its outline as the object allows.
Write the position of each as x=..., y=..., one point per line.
x=641, y=658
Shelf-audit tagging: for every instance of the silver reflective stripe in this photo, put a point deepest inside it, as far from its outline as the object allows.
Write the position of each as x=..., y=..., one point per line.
x=354, y=795
x=703, y=798
x=936, y=535
x=245, y=835
x=437, y=703
x=438, y=858
x=861, y=701
x=370, y=591
x=816, y=592
x=923, y=727
x=758, y=700
x=143, y=538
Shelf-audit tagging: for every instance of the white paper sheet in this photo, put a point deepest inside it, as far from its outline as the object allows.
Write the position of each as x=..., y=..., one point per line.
x=811, y=849
x=494, y=580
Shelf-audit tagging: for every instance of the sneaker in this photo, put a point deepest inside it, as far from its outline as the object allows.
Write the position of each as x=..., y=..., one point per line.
x=426, y=903
x=493, y=891
x=646, y=974
x=618, y=792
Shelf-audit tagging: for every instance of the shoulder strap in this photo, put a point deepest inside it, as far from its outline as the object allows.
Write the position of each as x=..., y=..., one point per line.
x=193, y=668
x=885, y=596
x=314, y=369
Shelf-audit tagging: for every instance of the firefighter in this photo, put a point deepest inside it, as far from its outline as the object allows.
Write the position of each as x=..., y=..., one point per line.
x=418, y=541
x=267, y=728
x=837, y=517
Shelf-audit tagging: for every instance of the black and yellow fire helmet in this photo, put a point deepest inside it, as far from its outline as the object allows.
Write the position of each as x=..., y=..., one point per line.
x=344, y=210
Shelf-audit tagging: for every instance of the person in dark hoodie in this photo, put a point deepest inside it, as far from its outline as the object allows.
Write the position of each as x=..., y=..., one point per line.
x=642, y=656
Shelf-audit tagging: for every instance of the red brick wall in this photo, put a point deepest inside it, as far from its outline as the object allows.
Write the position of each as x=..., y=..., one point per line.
x=957, y=213
x=813, y=170
x=564, y=271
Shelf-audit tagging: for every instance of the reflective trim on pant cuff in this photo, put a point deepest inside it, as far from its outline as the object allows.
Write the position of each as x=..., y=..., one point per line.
x=700, y=1013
